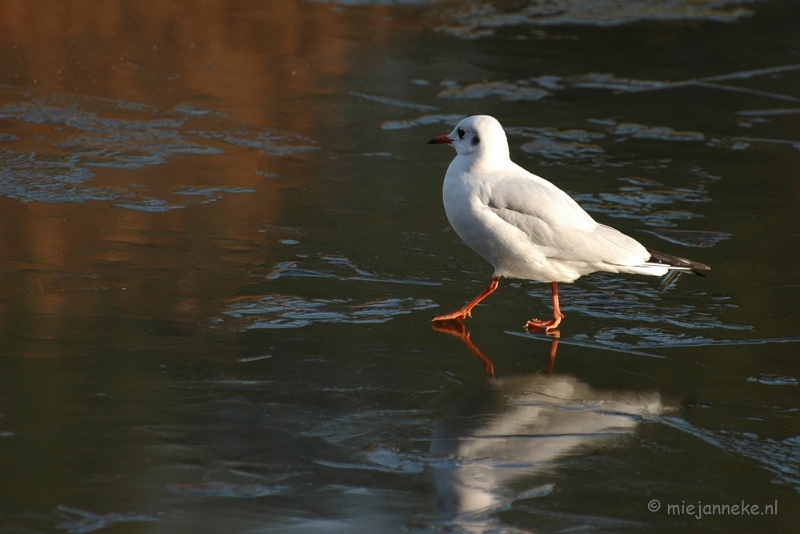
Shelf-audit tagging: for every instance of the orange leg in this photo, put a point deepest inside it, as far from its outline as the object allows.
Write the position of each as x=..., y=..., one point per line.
x=548, y=326
x=465, y=312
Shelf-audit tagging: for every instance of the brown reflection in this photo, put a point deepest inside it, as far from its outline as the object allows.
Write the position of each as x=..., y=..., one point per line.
x=258, y=64
x=457, y=329
x=244, y=55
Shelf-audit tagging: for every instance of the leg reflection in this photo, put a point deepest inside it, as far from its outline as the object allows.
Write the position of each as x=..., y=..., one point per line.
x=457, y=329
x=551, y=360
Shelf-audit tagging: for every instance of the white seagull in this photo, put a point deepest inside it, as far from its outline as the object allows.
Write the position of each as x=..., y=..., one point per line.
x=527, y=227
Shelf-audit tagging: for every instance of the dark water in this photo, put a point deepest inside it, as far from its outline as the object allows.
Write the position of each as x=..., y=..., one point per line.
x=223, y=240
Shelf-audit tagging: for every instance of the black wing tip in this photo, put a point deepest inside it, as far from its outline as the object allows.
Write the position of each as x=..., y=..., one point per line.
x=676, y=262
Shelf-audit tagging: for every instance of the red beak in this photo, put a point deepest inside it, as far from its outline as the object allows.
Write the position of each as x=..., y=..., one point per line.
x=439, y=140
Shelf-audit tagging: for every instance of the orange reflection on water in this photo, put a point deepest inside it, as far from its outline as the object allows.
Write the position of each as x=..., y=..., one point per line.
x=243, y=55
x=250, y=67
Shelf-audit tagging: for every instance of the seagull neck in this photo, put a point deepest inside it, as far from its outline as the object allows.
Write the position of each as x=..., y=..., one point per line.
x=480, y=163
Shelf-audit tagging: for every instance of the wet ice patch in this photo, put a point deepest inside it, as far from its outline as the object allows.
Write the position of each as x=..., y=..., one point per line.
x=267, y=142
x=775, y=112
x=122, y=147
x=322, y=266
x=637, y=300
x=552, y=143
x=284, y=311
x=643, y=131
x=535, y=88
x=392, y=460
x=333, y=266
x=573, y=134
x=664, y=133
x=389, y=460
x=476, y=19
x=101, y=133
x=640, y=316
x=556, y=148
x=5, y=433
x=150, y=205
x=773, y=380
x=394, y=102
x=188, y=109
x=649, y=207
x=127, y=143
x=254, y=358
x=549, y=84
x=781, y=457
x=223, y=489
x=79, y=521
x=28, y=176
x=361, y=425
x=508, y=91
x=635, y=339
x=630, y=85
x=650, y=201
x=212, y=191
x=551, y=148
x=602, y=80
x=741, y=143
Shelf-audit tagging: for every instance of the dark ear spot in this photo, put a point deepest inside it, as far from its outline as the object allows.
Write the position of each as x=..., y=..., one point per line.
x=475, y=140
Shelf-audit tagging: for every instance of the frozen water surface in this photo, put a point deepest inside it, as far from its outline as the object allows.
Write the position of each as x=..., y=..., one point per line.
x=223, y=240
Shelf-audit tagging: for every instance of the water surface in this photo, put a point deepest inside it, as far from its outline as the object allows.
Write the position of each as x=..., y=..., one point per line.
x=223, y=240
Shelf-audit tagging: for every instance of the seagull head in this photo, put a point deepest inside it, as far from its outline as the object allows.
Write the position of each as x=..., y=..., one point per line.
x=480, y=136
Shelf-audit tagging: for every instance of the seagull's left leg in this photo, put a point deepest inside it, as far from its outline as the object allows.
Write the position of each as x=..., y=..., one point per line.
x=466, y=311
x=552, y=324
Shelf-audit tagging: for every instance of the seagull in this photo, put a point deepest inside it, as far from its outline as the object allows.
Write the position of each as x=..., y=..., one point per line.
x=528, y=228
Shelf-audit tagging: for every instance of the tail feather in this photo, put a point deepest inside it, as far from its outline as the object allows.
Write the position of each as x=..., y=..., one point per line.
x=677, y=263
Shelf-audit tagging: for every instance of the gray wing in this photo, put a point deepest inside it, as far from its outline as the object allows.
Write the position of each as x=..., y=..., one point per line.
x=555, y=222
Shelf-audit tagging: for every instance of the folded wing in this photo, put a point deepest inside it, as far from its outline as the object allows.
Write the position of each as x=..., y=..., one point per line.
x=553, y=221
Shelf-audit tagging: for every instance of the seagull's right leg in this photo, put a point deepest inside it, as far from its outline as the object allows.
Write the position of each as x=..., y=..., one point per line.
x=550, y=326
x=465, y=312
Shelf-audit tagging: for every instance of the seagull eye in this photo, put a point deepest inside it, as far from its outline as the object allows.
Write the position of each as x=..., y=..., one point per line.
x=460, y=133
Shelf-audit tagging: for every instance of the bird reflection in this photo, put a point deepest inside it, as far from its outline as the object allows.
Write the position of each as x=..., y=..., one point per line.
x=507, y=440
